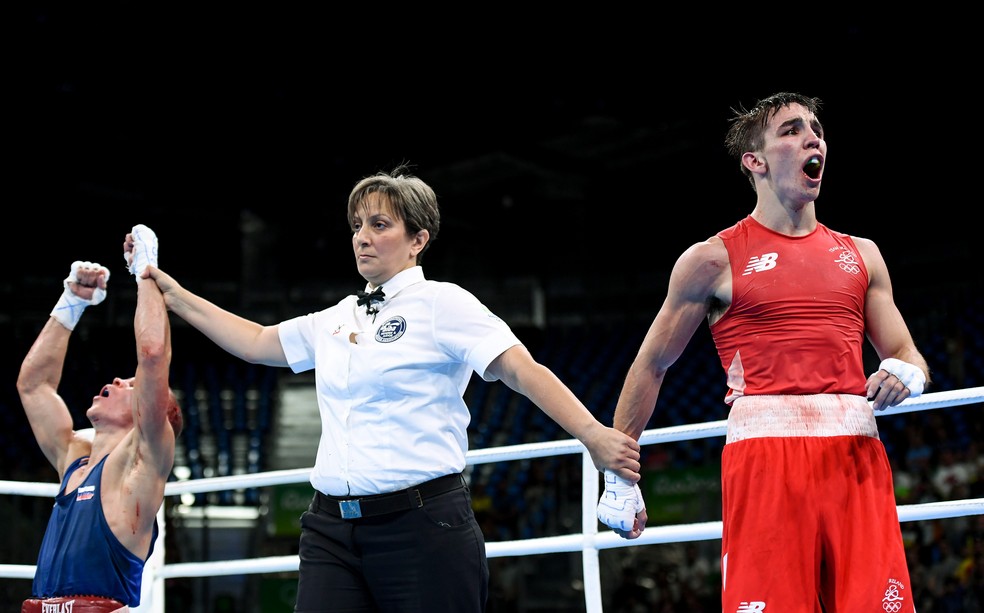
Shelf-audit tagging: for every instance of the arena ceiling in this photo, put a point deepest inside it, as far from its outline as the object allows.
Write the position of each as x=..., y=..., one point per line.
x=557, y=145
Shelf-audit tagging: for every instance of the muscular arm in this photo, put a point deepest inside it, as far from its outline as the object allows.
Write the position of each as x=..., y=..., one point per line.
x=700, y=278
x=241, y=337
x=699, y=287
x=152, y=397
x=138, y=467
x=609, y=448
x=41, y=369
x=37, y=384
x=885, y=328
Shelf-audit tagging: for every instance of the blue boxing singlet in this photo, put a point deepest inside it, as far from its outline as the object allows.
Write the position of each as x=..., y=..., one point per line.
x=80, y=555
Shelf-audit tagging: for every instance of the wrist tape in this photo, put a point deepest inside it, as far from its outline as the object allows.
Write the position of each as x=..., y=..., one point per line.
x=68, y=309
x=910, y=375
x=620, y=503
x=144, y=250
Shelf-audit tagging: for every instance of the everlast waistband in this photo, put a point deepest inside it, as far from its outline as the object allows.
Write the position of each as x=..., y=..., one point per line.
x=383, y=504
x=73, y=604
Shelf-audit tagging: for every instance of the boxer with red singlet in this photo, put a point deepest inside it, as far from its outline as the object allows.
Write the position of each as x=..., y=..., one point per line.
x=809, y=515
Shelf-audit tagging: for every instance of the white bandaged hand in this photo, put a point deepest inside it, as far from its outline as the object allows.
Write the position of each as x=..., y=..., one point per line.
x=144, y=250
x=910, y=375
x=620, y=503
x=70, y=305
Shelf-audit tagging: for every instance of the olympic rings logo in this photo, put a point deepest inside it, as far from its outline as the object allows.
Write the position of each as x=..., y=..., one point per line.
x=892, y=602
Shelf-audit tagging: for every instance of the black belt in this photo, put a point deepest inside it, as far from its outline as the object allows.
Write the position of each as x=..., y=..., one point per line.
x=381, y=504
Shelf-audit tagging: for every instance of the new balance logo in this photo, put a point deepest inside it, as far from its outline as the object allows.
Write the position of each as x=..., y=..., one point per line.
x=753, y=605
x=759, y=264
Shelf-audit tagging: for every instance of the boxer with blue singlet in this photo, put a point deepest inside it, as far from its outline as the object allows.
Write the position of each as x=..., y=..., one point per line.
x=103, y=524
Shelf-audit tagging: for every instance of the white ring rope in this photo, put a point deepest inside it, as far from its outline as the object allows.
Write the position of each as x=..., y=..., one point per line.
x=589, y=542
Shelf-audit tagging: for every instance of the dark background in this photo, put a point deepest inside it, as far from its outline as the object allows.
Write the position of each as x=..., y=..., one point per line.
x=560, y=144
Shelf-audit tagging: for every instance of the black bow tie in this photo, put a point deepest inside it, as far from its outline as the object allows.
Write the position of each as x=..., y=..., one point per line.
x=375, y=295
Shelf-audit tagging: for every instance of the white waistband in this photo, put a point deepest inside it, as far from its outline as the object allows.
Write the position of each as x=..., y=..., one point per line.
x=809, y=415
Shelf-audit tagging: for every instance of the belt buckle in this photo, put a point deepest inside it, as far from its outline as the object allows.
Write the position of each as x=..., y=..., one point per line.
x=350, y=509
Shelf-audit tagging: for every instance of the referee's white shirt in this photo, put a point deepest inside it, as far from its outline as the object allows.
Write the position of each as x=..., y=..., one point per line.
x=390, y=391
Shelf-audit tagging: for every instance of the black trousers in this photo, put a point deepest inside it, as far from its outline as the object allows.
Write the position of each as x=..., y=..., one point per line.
x=429, y=559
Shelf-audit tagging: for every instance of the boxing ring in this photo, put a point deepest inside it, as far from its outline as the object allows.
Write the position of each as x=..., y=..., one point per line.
x=588, y=542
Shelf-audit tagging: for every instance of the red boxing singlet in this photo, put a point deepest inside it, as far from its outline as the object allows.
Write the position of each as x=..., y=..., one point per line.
x=796, y=320
x=808, y=504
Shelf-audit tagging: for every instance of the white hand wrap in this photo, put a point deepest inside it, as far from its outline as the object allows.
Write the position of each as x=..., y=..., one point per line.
x=910, y=375
x=69, y=308
x=620, y=503
x=144, y=250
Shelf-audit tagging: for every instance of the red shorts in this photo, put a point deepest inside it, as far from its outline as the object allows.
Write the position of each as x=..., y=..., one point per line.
x=74, y=604
x=809, y=511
